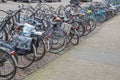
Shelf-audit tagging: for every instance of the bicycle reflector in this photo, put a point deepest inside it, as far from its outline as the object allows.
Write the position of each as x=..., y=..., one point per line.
x=74, y=27
x=12, y=53
x=82, y=14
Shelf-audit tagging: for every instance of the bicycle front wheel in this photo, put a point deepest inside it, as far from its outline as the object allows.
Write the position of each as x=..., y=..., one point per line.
x=58, y=41
x=3, y=35
x=7, y=66
x=99, y=18
x=40, y=49
x=74, y=37
x=25, y=60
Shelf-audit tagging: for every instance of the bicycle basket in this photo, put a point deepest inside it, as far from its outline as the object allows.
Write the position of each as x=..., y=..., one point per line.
x=4, y=46
x=66, y=27
x=22, y=44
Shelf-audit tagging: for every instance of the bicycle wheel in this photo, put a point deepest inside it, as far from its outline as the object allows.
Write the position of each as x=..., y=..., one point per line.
x=92, y=23
x=26, y=60
x=58, y=41
x=99, y=18
x=80, y=28
x=26, y=12
x=61, y=11
x=74, y=36
x=87, y=28
x=40, y=49
x=3, y=35
x=7, y=66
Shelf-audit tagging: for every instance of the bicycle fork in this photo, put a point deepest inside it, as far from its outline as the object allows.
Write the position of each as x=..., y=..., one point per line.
x=47, y=42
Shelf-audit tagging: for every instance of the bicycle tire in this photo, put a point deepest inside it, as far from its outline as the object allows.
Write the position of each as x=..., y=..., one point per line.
x=87, y=29
x=92, y=23
x=30, y=57
x=11, y=74
x=56, y=37
x=74, y=37
x=80, y=27
x=99, y=19
x=40, y=49
x=5, y=36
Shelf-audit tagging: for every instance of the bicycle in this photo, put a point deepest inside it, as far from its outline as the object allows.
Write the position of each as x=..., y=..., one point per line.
x=11, y=32
x=8, y=61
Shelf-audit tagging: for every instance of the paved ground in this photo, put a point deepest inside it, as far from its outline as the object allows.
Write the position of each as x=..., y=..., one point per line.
x=97, y=57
